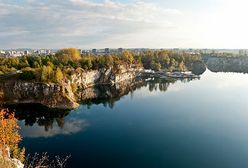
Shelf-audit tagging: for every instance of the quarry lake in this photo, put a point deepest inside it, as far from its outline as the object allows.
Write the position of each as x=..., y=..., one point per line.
x=201, y=123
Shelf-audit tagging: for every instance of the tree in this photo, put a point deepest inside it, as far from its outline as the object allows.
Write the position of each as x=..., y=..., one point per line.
x=9, y=135
x=109, y=61
x=58, y=75
x=46, y=74
x=68, y=54
x=156, y=66
x=181, y=66
x=127, y=57
x=86, y=62
x=27, y=74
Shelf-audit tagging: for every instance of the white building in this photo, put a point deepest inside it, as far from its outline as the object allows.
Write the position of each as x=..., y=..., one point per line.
x=2, y=52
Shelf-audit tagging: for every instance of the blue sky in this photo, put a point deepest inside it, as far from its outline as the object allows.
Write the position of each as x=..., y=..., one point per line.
x=123, y=23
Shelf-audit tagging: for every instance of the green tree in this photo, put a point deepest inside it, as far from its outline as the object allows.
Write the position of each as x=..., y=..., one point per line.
x=46, y=74
x=27, y=74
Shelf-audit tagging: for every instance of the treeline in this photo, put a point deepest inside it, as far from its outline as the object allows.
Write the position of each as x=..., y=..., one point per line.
x=168, y=60
x=66, y=61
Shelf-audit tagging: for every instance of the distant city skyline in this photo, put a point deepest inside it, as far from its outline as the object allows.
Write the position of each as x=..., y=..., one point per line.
x=89, y=24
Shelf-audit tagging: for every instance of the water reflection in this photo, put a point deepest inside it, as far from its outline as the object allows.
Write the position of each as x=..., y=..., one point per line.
x=39, y=121
x=41, y=115
x=199, y=124
x=226, y=64
x=70, y=127
x=108, y=95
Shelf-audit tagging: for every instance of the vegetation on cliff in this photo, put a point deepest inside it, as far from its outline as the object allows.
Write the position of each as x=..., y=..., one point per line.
x=67, y=61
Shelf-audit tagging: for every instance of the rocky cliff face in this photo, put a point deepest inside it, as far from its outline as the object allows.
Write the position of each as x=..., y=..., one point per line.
x=50, y=95
x=85, y=79
x=61, y=95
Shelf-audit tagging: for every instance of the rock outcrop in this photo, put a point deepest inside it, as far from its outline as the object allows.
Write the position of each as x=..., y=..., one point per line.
x=8, y=162
x=62, y=95
x=85, y=79
x=50, y=95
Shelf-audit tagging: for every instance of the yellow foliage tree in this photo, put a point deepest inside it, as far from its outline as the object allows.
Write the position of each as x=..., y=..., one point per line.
x=68, y=54
x=46, y=73
x=9, y=135
x=127, y=57
x=59, y=75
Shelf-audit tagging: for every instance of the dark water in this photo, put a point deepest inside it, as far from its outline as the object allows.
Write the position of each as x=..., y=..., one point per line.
x=197, y=124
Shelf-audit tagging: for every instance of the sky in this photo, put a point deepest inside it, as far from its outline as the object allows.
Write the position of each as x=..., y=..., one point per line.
x=124, y=23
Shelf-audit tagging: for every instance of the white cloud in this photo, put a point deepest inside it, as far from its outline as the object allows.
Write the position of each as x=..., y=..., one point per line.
x=70, y=127
x=81, y=23
x=109, y=23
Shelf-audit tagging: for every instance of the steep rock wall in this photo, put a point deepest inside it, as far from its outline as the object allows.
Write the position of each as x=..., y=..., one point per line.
x=50, y=95
x=13, y=91
x=85, y=79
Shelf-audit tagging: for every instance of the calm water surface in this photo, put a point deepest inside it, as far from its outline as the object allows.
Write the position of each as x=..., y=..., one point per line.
x=197, y=124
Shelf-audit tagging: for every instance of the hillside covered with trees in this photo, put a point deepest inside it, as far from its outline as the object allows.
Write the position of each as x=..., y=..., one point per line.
x=54, y=68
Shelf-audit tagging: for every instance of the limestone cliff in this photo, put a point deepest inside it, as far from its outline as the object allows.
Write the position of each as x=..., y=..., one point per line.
x=62, y=95
x=50, y=95
x=85, y=79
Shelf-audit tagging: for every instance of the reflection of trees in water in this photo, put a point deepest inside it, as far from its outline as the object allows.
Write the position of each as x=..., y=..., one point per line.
x=159, y=84
x=41, y=115
x=227, y=64
x=110, y=94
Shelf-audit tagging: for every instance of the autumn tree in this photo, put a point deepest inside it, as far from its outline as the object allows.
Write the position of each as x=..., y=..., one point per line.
x=86, y=62
x=58, y=75
x=46, y=73
x=156, y=66
x=9, y=135
x=127, y=57
x=68, y=54
x=182, y=66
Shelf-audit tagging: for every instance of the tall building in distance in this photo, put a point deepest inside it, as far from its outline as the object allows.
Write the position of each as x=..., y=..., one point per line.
x=120, y=50
x=26, y=52
x=107, y=50
x=94, y=51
